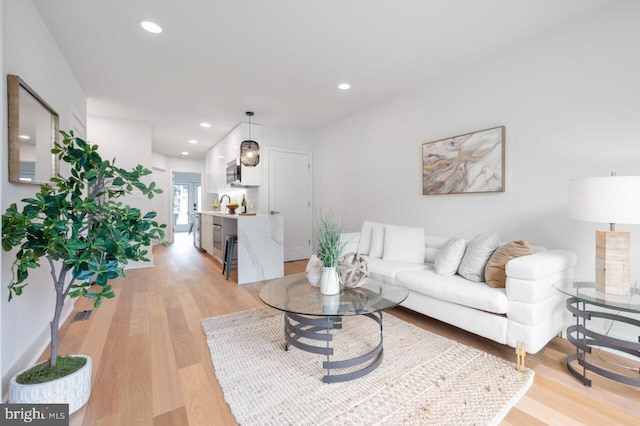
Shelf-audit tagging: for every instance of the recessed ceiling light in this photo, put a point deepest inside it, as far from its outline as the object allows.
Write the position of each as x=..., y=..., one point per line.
x=193, y=141
x=152, y=27
x=25, y=137
x=205, y=124
x=344, y=86
x=185, y=153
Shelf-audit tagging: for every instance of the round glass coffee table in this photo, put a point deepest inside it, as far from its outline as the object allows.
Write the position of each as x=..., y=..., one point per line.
x=310, y=316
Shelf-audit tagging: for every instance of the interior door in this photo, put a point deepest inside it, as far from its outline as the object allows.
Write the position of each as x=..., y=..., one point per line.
x=290, y=195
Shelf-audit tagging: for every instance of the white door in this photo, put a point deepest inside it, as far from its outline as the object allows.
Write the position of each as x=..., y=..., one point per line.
x=290, y=195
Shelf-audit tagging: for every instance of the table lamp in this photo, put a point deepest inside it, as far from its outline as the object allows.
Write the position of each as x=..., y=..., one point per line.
x=612, y=199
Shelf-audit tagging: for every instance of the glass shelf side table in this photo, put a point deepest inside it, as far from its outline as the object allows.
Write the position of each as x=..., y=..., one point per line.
x=582, y=296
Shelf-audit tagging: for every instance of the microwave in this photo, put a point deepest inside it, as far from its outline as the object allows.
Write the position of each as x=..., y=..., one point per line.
x=233, y=172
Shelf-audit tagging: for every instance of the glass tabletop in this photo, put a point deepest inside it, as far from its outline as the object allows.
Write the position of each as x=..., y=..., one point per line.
x=294, y=294
x=586, y=292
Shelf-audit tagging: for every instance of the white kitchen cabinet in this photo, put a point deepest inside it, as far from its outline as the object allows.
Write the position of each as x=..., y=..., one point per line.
x=220, y=173
x=227, y=150
x=210, y=169
x=206, y=233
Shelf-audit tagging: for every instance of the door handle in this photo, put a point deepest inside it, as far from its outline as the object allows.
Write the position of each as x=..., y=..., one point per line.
x=274, y=212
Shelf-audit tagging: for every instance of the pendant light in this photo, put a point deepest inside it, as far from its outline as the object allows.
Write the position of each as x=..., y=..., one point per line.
x=249, y=149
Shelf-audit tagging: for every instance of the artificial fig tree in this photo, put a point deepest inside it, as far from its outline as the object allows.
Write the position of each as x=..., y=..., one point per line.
x=80, y=227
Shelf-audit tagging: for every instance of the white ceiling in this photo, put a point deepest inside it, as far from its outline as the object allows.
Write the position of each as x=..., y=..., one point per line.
x=282, y=59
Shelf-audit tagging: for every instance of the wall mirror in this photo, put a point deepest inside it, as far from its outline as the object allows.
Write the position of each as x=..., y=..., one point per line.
x=33, y=127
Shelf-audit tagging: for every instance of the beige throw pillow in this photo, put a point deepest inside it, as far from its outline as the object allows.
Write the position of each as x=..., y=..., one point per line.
x=494, y=273
x=478, y=252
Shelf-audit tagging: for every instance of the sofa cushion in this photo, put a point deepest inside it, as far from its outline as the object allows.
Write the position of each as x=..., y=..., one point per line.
x=377, y=242
x=478, y=252
x=450, y=256
x=456, y=289
x=391, y=269
x=494, y=273
x=433, y=246
x=403, y=244
x=364, y=245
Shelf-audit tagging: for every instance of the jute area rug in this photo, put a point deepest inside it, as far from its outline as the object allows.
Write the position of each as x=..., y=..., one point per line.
x=423, y=379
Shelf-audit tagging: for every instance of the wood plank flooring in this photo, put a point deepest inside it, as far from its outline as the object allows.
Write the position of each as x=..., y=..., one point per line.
x=151, y=365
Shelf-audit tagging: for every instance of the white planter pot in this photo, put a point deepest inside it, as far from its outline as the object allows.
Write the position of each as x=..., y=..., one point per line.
x=73, y=389
x=329, y=282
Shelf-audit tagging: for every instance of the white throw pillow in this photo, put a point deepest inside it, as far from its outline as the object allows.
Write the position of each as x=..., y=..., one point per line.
x=403, y=244
x=364, y=246
x=377, y=241
x=450, y=256
x=478, y=252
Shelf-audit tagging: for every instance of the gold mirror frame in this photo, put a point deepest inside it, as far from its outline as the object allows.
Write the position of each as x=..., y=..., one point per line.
x=42, y=141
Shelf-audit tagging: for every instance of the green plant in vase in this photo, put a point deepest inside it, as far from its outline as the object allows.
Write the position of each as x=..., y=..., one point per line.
x=83, y=231
x=330, y=245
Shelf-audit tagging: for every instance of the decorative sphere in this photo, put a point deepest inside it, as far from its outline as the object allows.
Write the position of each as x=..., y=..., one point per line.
x=352, y=269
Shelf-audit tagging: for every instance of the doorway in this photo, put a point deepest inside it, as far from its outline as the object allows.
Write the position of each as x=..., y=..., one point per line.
x=290, y=195
x=187, y=199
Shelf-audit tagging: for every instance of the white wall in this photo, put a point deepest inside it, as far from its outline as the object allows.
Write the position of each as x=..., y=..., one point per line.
x=129, y=142
x=570, y=102
x=34, y=56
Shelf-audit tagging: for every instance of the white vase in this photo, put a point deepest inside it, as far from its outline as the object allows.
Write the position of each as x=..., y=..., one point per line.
x=329, y=282
x=73, y=389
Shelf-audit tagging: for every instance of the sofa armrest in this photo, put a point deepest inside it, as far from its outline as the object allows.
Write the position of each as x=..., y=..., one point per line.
x=351, y=240
x=530, y=279
x=541, y=264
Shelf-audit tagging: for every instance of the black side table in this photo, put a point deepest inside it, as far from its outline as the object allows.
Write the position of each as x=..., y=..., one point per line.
x=582, y=295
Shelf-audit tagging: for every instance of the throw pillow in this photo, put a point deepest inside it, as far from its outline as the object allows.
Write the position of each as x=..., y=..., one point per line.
x=450, y=256
x=403, y=244
x=364, y=246
x=494, y=273
x=478, y=252
x=377, y=241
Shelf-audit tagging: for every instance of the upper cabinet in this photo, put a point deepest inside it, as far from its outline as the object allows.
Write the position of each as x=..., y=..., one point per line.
x=227, y=150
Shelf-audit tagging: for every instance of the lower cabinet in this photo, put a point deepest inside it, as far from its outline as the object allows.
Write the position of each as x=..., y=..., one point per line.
x=206, y=233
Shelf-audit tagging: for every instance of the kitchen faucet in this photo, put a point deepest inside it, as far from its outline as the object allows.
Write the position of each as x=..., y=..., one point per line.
x=225, y=195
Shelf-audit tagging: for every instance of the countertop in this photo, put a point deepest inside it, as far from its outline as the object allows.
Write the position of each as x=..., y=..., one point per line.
x=229, y=216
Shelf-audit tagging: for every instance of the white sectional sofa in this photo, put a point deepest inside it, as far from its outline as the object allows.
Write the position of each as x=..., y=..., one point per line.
x=527, y=310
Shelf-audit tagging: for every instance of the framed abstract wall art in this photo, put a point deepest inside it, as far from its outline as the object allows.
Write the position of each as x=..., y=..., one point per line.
x=468, y=163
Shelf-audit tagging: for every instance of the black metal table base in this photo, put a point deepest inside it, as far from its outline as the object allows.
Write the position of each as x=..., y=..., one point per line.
x=319, y=329
x=584, y=339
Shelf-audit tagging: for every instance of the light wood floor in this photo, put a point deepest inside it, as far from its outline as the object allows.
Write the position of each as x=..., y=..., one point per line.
x=151, y=364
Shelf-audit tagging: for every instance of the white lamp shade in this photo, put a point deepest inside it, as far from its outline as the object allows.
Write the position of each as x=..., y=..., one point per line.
x=610, y=199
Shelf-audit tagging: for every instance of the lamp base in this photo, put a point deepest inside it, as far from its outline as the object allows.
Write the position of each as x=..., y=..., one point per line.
x=612, y=262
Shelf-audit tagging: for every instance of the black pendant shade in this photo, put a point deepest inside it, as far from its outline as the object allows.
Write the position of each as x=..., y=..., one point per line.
x=249, y=149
